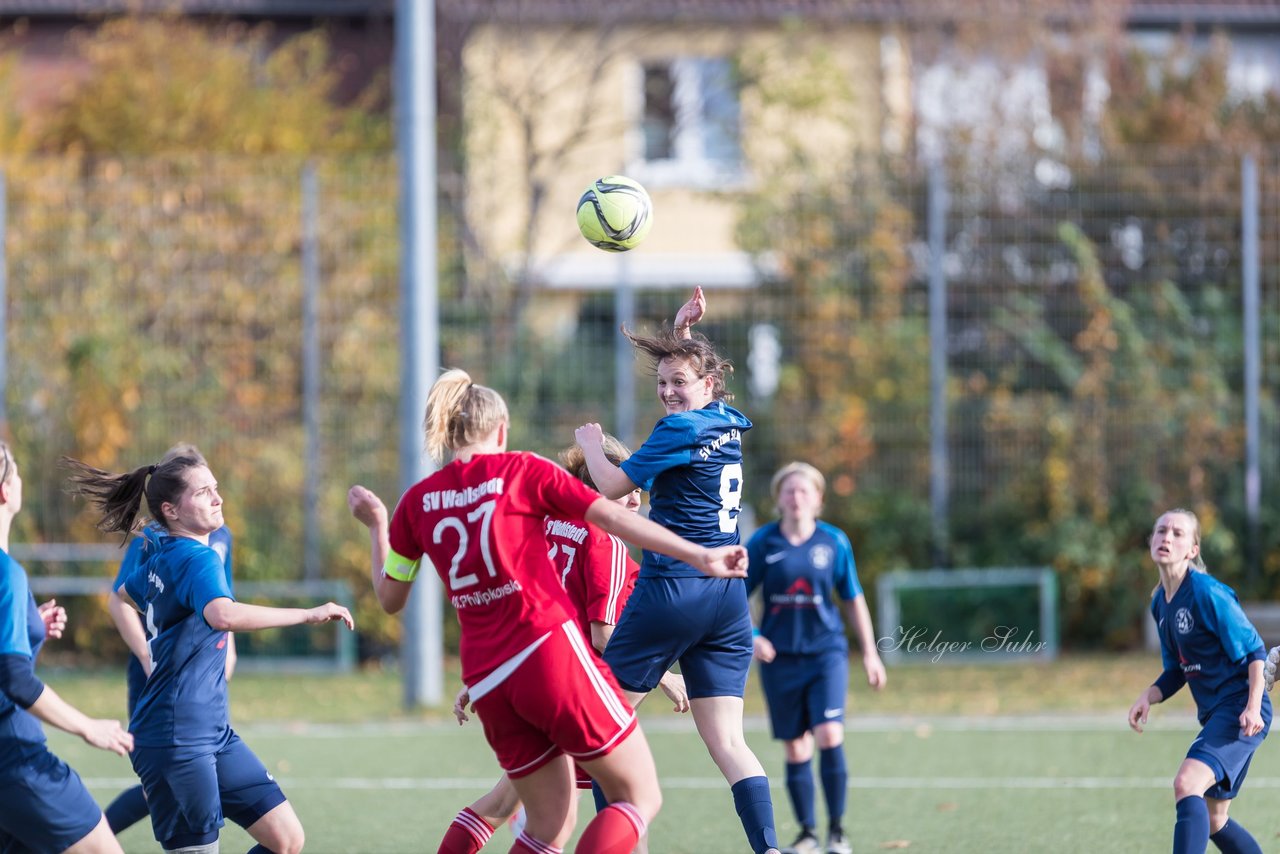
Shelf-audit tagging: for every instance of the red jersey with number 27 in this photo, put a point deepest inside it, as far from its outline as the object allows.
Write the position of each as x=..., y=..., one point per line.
x=480, y=524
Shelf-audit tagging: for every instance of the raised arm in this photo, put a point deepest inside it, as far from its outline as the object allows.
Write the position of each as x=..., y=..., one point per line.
x=610, y=480
x=690, y=313
x=368, y=508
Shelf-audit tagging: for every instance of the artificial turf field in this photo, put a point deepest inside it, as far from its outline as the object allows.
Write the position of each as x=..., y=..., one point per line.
x=947, y=784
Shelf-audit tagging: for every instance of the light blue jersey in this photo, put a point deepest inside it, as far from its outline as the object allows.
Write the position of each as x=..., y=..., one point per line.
x=184, y=703
x=801, y=616
x=691, y=465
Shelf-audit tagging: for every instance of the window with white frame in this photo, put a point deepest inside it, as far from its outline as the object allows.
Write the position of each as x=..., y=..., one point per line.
x=690, y=123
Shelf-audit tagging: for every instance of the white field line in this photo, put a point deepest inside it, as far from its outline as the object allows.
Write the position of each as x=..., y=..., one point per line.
x=1064, y=723
x=692, y=783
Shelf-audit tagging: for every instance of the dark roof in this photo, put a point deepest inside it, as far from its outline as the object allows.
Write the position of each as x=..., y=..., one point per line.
x=1136, y=12
x=234, y=8
x=1169, y=13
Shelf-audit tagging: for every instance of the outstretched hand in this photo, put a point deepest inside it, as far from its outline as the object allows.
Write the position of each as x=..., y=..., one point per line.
x=366, y=506
x=691, y=312
x=108, y=735
x=330, y=612
x=726, y=562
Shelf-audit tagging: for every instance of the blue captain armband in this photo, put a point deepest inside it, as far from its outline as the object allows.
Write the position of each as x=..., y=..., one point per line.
x=400, y=568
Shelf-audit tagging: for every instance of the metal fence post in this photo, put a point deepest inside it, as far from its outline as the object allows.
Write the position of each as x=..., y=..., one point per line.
x=624, y=378
x=422, y=649
x=311, y=370
x=939, y=461
x=1252, y=362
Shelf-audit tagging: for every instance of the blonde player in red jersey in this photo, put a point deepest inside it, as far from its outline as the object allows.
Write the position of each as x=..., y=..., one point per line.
x=598, y=573
x=544, y=699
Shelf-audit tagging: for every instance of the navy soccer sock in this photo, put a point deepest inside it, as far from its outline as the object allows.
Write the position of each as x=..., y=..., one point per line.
x=1234, y=839
x=754, y=804
x=597, y=794
x=129, y=808
x=835, y=781
x=1191, y=832
x=800, y=789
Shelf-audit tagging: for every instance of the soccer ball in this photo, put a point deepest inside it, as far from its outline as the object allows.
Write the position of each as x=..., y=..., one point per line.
x=615, y=214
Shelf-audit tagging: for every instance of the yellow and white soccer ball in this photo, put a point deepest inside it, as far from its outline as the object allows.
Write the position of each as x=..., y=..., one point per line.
x=615, y=213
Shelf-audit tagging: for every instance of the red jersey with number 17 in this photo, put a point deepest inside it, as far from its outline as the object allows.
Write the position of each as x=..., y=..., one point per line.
x=480, y=524
x=596, y=569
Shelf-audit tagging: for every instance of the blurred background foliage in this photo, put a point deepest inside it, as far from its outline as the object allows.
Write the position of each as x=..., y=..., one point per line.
x=155, y=226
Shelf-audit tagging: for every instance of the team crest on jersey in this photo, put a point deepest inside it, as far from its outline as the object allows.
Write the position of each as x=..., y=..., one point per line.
x=1183, y=622
x=821, y=556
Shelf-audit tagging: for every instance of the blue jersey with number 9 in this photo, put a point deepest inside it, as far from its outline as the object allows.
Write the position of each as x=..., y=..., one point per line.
x=691, y=465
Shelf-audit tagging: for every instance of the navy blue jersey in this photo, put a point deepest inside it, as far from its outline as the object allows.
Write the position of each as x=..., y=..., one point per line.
x=21, y=633
x=1205, y=635
x=800, y=614
x=219, y=541
x=691, y=465
x=184, y=703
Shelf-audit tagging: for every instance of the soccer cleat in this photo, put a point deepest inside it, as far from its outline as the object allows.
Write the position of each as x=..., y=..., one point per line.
x=806, y=843
x=837, y=844
x=1269, y=669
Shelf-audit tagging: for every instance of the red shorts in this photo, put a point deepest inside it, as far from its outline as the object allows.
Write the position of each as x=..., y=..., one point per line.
x=561, y=699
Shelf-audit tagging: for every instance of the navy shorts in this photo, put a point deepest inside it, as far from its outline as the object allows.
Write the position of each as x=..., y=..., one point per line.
x=44, y=806
x=1221, y=746
x=188, y=793
x=702, y=622
x=803, y=691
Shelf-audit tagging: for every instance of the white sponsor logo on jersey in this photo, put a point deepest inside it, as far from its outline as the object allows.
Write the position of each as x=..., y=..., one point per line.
x=775, y=557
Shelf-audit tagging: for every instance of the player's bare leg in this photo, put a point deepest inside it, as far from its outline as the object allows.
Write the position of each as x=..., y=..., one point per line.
x=100, y=840
x=630, y=783
x=719, y=723
x=550, y=800
x=498, y=804
x=279, y=830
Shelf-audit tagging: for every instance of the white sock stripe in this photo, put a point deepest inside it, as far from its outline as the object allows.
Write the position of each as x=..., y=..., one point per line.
x=612, y=702
x=540, y=847
x=637, y=820
x=473, y=824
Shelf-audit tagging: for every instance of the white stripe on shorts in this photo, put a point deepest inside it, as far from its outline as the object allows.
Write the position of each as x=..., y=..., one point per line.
x=617, y=709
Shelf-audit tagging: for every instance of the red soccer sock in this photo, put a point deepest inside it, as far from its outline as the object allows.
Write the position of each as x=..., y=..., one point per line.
x=614, y=830
x=526, y=844
x=467, y=835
